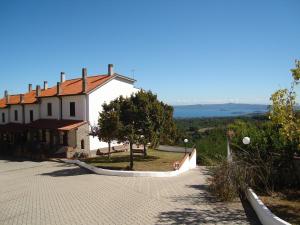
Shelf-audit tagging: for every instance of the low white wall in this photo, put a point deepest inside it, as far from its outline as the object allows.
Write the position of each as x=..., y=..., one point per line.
x=265, y=216
x=193, y=159
x=188, y=163
x=168, y=148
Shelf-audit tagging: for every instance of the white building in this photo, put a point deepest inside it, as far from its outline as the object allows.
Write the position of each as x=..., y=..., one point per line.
x=60, y=117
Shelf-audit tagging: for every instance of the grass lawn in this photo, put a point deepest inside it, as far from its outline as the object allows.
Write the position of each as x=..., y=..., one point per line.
x=284, y=205
x=155, y=161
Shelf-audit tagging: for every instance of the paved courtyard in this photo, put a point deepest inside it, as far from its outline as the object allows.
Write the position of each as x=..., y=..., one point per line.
x=37, y=193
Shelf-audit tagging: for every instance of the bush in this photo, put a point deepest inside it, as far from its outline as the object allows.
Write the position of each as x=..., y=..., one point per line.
x=267, y=157
x=221, y=183
x=232, y=178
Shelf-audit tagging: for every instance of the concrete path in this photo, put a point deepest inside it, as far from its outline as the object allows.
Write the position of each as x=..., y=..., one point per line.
x=49, y=193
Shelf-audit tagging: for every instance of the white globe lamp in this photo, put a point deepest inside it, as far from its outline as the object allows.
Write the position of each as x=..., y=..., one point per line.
x=246, y=140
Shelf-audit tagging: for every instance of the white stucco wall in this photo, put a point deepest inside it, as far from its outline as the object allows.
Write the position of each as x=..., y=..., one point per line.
x=265, y=216
x=5, y=111
x=12, y=113
x=80, y=107
x=106, y=93
x=55, y=108
x=35, y=109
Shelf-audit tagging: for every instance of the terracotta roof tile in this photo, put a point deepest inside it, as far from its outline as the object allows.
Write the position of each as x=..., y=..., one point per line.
x=69, y=87
x=74, y=86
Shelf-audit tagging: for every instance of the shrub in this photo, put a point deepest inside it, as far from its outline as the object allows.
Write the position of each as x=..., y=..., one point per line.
x=231, y=178
x=221, y=182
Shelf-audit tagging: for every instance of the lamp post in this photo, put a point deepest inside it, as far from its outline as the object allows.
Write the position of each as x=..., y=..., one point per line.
x=185, y=142
x=142, y=139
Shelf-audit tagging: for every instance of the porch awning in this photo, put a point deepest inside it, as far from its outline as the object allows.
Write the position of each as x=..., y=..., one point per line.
x=52, y=124
x=12, y=128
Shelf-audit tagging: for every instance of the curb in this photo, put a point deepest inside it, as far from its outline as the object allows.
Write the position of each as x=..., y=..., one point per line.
x=264, y=214
x=187, y=164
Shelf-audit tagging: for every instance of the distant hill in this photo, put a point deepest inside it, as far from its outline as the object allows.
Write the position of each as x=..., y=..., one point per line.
x=218, y=110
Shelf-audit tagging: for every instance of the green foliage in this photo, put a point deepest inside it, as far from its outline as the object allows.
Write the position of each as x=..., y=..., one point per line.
x=282, y=112
x=109, y=124
x=296, y=71
x=139, y=118
x=208, y=135
x=211, y=147
x=268, y=155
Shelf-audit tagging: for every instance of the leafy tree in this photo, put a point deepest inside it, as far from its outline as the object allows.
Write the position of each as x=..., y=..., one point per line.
x=128, y=117
x=139, y=118
x=282, y=112
x=109, y=124
x=144, y=125
x=170, y=133
x=154, y=119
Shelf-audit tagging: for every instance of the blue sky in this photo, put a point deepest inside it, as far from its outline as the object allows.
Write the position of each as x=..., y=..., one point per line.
x=188, y=52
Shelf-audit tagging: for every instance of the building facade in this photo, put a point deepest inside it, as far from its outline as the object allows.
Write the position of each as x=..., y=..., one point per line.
x=58, y=119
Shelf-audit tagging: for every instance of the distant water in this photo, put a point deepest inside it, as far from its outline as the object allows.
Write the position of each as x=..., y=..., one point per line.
x=218, y=110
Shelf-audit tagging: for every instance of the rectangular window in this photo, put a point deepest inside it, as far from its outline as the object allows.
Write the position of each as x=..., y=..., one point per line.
x=3, y=117
x=49, y=109
x=16, y=115
x=72, y=109
x=31, y=115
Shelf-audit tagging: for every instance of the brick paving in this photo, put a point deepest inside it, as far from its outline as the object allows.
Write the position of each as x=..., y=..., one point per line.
x=38, y=193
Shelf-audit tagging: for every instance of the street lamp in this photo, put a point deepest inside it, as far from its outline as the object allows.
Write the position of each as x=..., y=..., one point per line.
x=185, y=142
x=246, y=140
x=142, y=139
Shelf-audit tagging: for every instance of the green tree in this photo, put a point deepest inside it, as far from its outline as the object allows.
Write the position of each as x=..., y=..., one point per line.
x=109, y=124
x=144, y=125
x=154, y=119
x=139, y=118
x=128, y=118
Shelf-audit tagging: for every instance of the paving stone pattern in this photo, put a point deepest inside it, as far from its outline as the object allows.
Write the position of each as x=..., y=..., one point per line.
x=46, y=193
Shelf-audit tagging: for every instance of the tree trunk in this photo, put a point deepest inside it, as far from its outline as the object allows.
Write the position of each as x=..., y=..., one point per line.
x=145, y=150
x=109, y=150
x=131, y=156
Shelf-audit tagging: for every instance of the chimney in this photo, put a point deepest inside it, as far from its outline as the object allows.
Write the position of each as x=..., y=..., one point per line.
x=58, y=88
x=84, y=80
x=21, y=98
x=45, y=85
x=29, y=87
x=110, y=69
x=62, y=77
x=38, y=91
x=6, y=96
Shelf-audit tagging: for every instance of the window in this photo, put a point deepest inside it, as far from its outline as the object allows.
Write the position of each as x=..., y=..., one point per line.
x=3, y=117
x=31, y=115
x=49, y=109
x=82, y=144
x=72, y=109
x=16, y=115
